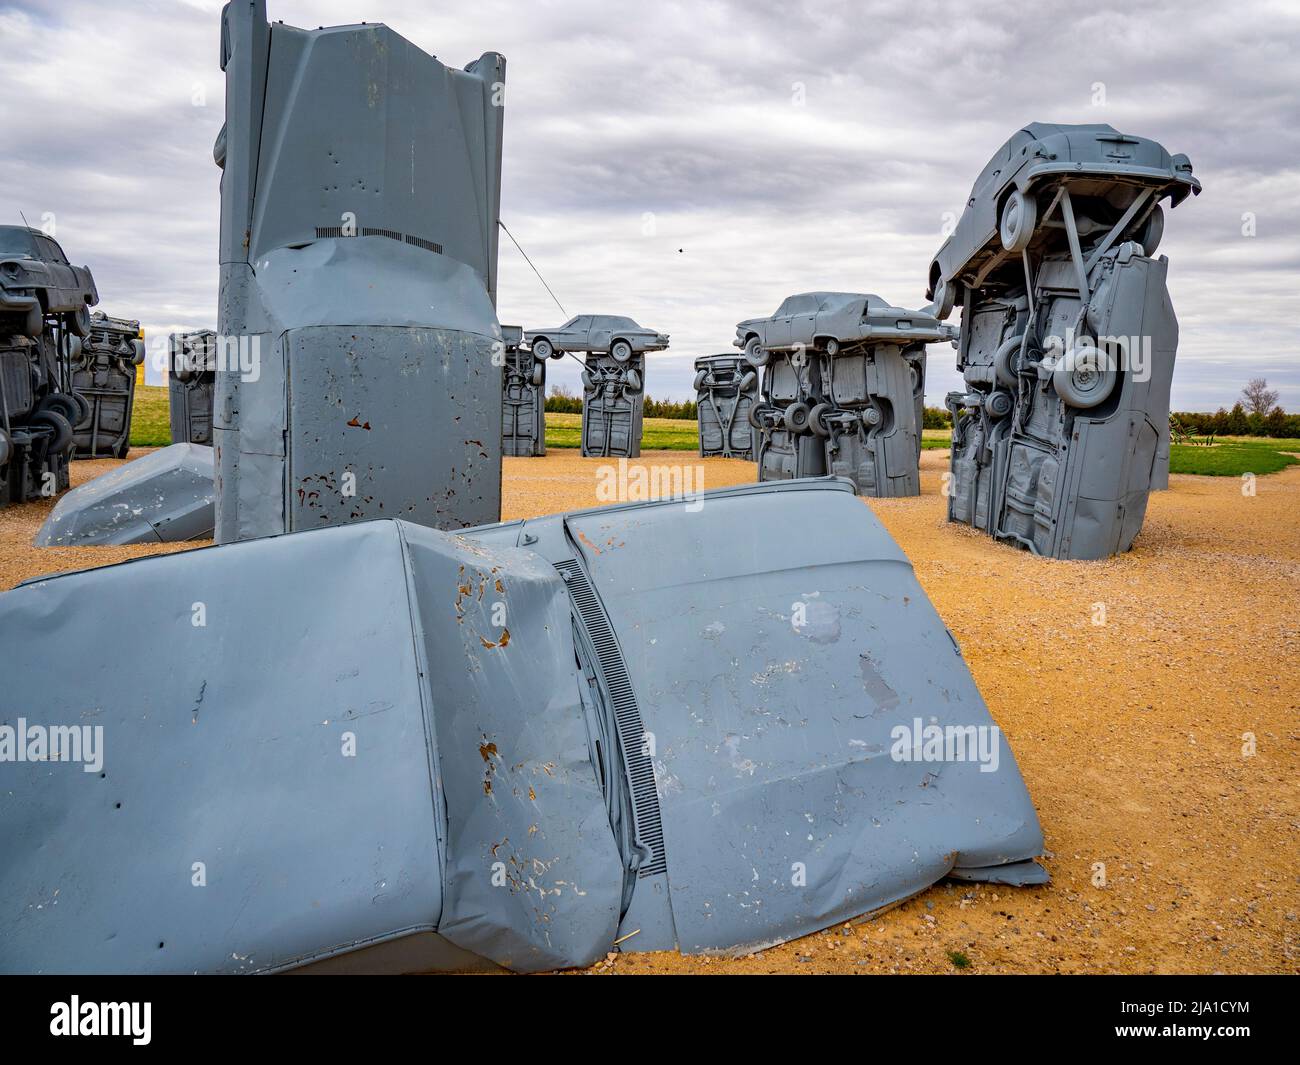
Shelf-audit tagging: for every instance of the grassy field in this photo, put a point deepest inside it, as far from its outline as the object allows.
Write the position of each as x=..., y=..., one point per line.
x=1231, y=456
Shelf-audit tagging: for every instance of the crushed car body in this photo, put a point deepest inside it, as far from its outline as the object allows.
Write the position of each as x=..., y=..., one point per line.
x=510, y=747
x=357, y=328
x=1068, y=339
x=103, y=367
x=166, y=496
x=191, y=385
x=726, y=388
x=523, y=397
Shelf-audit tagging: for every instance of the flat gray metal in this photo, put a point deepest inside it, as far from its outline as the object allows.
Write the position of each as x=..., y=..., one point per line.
x=103, y=366
x=613, y=405
x=1068, y=339
x=191, y=385
x=165, y=496
x=508, y=747
x=523, y=398
x=726, y=388
x=368, y=305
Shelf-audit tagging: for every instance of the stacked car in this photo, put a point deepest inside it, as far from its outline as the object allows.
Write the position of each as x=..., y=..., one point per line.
x=726, y=387
x=103, y=365
x=613, y=377
x=1068, y=338
x=191, y=385
x=843, y=389
x=523, y=398
x=44, y=306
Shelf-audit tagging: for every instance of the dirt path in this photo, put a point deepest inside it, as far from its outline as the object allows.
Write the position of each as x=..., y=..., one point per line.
x=1129, y=733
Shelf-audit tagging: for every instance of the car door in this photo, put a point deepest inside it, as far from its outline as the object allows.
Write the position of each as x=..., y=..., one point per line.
x=803, y=322
x=573, y=335
x=599, y=334
x=776, y=331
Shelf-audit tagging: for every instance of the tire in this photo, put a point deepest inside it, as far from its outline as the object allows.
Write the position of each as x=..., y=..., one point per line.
x=588, y=382
x=64, y=404
x=998, y=404
x=1082, y=379
x=796, y=417
x=700, y=377
x=816, y=419
x=633, y=382
x=538, y=376
x=6, y=448
x=620, y=351
x=755, y=352
x=755, y=414
x=139, y=351
x=544, y=349
x=78, y=322
x=831, y=346
x=59, y=424
x=34, y=323
x=1003, y=367
x=84, y=404
x=945, y=298
x=1018, y=220
x=1152, y=231
x=748, y=381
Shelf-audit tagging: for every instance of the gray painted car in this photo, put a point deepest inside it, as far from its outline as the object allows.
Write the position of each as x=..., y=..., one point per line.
x=515, y=747
x=1001, y=219
x=523, y=398
x=613, y=405
x=365, y=311
x=103, y=373
x=165, y=497
x=191, y=385
x=1068, y=339
x=606, y=334
x=36, y=280
x=726, y=389
x=827, y=322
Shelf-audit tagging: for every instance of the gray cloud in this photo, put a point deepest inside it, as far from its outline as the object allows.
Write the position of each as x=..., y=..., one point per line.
x=692, y=164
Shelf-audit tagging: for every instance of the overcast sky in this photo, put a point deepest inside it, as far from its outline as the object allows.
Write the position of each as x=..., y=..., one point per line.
x=690, y=165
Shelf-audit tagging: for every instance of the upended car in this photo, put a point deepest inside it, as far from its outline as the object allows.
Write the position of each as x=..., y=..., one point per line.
x=605, y=334
x=708, y=724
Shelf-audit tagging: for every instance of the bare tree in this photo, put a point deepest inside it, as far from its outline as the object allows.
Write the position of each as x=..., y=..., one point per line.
x=1258, y=397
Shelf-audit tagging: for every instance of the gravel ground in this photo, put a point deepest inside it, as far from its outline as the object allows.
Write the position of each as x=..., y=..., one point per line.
x=1129, y=734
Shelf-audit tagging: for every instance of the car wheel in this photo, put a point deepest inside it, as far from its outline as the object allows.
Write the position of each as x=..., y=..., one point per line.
x=1152, y=231
x=1084, y=378
x=34, y=323
x=620, y=351
x=138, y=358
x=78, y=322
x=998, y=404
x=588, y=382
x=748, y=381
x=633, y=382
x=1005, y=361
x=1019, y=217
x=755, y=352
x=6, y=448
x=871, y=417
x=84, y=404
x=796, y=417
x=63, y=403
x=60, y=426
x=538, y=376
x=831, y=346
x=817, y=419
x=755, y=414
x=700, y=377
x=544, y=349
x=945, y=298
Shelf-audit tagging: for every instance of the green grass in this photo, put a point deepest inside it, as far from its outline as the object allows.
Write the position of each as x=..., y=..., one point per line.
x=657, y=434
x=1230, y=459
x=958, y=959
x=149, y=418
